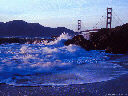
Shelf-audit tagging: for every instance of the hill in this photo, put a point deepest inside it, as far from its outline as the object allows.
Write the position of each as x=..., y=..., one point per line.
x=22, y=28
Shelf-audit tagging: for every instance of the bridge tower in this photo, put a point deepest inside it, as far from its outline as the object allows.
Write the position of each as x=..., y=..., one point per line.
x=79, y=25
x=109, y=18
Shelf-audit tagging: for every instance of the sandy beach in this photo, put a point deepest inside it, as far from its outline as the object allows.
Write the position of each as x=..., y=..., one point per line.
x=115, y=87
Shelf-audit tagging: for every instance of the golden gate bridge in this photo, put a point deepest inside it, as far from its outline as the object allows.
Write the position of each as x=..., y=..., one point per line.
x=109, y=17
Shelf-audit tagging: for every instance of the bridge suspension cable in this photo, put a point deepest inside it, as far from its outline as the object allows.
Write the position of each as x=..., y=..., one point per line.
x=115, y=20
x=100, y=23
x=111, y=19
x=118, y=18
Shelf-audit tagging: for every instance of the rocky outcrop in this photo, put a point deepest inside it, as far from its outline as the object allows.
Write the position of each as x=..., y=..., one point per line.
x=23, y=40
x=81, y=41
x=112, y=40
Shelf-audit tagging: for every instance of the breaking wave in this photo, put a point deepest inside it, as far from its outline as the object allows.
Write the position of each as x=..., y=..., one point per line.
x=53, y=63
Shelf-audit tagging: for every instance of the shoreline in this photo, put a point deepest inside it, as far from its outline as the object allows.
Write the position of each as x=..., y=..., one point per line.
x=116, y=87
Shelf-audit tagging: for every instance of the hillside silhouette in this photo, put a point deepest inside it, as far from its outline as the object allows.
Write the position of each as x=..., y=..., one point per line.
x=22, y=28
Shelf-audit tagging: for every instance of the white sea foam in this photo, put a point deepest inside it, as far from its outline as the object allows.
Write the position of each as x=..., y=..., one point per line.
x=63, y=36
x=23, y=49
x=57, y=64
x=50, y=50
x=86, y=35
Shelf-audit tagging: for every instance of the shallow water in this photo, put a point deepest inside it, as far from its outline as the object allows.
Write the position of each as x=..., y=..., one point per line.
x=55, y=64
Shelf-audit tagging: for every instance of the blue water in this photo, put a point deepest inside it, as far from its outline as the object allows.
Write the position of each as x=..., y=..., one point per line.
x=55, y=64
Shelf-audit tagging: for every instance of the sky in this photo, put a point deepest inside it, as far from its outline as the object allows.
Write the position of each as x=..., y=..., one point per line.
x=64, y=13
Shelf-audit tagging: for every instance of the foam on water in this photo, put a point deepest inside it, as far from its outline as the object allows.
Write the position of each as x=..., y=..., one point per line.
x=55, y=64
x=60, y=39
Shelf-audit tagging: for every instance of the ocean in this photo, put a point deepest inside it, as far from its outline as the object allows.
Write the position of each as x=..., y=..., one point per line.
x=53, y=63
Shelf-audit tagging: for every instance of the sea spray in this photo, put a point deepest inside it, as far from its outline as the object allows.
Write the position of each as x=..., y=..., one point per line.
x=86, y=35
x=60, y=40
x=56, y=64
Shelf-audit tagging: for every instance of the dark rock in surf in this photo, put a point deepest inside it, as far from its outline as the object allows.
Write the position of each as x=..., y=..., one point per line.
x=113, y=40
x=81, y=41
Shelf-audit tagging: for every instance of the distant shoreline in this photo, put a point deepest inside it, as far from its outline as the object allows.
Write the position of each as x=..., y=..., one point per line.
x=27, y=40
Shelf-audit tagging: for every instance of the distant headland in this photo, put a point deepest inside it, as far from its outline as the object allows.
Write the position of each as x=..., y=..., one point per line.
x=22, y=28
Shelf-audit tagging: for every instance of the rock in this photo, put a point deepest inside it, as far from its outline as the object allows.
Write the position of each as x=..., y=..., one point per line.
x=68, y=42
x=81, y=41
x=113, y=40
x=115, y=50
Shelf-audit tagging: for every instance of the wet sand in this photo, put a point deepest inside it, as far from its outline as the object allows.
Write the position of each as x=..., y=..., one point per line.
x=115, y=87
